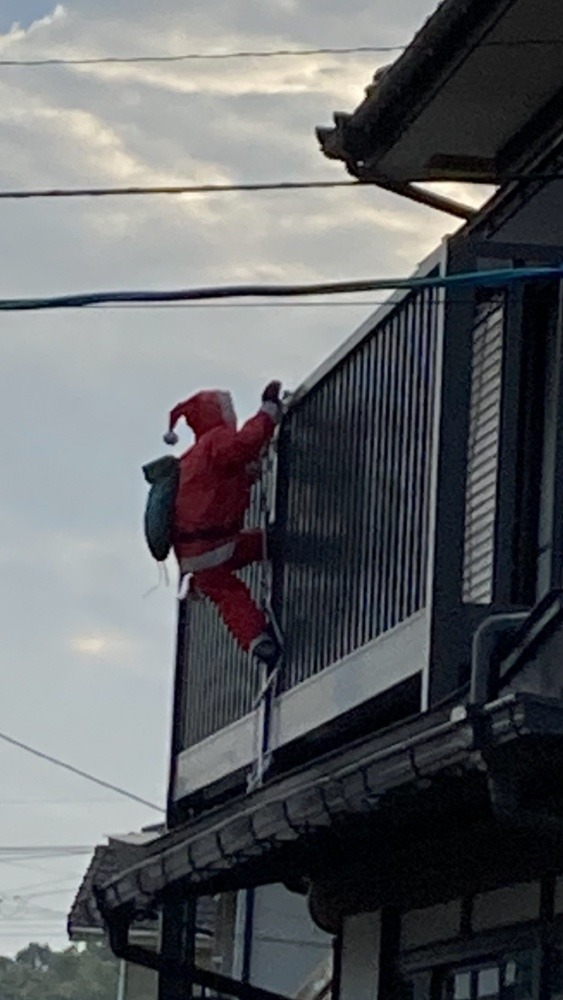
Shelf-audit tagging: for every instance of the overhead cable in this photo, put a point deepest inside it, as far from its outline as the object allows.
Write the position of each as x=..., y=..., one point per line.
x=261, y=53
x=174, y=189
x=251, y=187
x=81, y=774
x=473, y=278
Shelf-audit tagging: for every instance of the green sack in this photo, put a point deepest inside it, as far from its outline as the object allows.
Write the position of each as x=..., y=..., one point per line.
x=162, y=475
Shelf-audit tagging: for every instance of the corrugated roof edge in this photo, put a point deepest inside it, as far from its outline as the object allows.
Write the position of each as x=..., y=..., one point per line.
x=409, y=83
x=278, y=815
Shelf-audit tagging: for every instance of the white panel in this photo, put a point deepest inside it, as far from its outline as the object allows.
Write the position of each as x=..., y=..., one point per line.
x=361, y=939
x=220, y=754
x=391, y=658
x=369, y=671
x=287, y=947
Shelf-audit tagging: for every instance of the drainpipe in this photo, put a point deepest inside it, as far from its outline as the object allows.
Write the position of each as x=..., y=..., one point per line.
x=489, y=636
x=248, y=935
x=122, y=982
x=118, y=929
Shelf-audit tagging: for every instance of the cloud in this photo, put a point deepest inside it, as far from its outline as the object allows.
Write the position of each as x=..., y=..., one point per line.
x=18, y=31
x=115, y=648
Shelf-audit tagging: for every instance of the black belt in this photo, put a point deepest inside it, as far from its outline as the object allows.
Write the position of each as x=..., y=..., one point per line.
x=208, y=534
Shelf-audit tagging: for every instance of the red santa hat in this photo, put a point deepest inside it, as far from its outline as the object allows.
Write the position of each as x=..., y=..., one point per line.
x=176, y=414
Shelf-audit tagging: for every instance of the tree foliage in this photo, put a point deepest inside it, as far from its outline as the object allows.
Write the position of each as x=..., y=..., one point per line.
x=37, y=973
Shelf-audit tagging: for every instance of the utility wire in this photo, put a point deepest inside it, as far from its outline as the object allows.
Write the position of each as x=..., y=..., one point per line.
x=493, y=278
x=47, y=850
x=355, y=304
x=175, y=189
x=30, y=888
x=203, y=56
x=56, y=802
x=260, y=54
x=183, y=189
x=79, y=772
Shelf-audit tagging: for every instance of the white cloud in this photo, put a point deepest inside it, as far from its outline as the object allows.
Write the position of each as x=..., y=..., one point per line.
x=113, y=648
x=18, y=34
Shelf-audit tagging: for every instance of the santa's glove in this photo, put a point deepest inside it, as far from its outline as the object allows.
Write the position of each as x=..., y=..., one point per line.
x=271, y=403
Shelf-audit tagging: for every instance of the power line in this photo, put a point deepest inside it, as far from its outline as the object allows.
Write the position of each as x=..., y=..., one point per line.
x=56, y=802
x=248, y=305
x=47, y=892
x=355, y=304
x=251, y=188
x=204, y=56
x=24, y=890
x=492, y=278
x=175, y=189
x=259, y=54
x=48, y=850
x=79, y=772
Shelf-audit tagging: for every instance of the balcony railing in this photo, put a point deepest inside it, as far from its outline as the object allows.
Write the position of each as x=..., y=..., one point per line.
x=355, y=461
x=353, y=490
x=220, y=683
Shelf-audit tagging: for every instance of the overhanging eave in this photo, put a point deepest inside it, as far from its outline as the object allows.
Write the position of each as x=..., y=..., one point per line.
x=286, y=828
x=477, y=80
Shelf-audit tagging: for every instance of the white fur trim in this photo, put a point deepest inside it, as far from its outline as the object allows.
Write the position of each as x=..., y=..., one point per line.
x=208, y=560
x=227, y=408
x=184, y=587
x=272, y=409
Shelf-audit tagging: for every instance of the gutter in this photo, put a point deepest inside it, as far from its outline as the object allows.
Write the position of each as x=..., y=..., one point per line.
x=279, y=818
x=428, y=198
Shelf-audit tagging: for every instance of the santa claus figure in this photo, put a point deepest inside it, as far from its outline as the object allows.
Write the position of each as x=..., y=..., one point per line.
x=216, y=477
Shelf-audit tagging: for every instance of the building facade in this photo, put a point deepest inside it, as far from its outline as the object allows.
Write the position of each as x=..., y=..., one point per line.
x=412, y=807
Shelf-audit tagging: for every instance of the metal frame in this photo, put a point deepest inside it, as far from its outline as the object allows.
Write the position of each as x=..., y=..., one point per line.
x=509, y=586
x=431, y=963
x=509, y=438
x=449, y=628
x=180, y=974
x=432, y=261
x=551, y=573
x=342, y=688
x=178, y=703
x=453, y=623
x=435, y=260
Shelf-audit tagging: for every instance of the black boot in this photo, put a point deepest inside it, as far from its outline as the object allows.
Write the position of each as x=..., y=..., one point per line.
x=267, y=649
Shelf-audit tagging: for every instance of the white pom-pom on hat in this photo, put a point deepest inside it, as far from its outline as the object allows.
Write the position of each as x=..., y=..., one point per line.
x=179, y=411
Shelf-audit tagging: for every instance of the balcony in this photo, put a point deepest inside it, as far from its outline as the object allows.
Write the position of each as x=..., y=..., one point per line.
x=351, y=493
x=413, y=491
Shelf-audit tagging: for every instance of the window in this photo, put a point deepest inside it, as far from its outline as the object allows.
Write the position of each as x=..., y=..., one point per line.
x=507, y=979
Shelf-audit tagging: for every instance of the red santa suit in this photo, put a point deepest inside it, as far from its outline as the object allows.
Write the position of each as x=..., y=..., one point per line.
x=216, y=477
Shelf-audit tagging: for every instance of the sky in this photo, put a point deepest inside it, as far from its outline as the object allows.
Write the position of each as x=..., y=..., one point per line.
x=86, y=656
